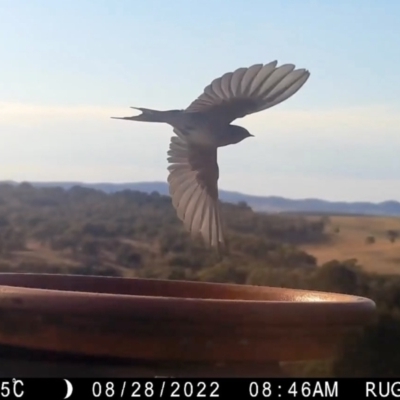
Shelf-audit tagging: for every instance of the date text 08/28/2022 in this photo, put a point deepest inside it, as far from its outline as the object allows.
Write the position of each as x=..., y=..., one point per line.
x=171, y=388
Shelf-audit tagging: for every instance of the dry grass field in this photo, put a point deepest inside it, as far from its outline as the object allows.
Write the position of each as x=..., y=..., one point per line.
x=348, y=233
x=382, y=256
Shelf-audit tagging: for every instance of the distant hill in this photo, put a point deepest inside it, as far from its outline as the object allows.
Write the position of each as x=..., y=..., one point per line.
x=270, y=204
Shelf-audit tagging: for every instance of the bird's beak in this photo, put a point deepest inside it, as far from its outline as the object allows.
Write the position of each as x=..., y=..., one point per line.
x=251, y=135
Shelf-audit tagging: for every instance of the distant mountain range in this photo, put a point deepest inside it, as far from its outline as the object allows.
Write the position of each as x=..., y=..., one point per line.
x=270, y=204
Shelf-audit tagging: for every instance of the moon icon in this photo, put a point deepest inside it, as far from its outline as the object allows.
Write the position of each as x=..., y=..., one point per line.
x=69, y=388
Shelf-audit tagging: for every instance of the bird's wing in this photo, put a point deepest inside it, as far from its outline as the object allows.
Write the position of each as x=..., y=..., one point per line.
x=249, y=90
x=193, y=182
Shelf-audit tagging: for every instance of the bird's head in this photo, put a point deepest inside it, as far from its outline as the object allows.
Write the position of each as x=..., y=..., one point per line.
x=238, y=133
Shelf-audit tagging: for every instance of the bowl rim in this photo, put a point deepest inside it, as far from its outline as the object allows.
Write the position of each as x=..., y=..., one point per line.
x=338, y=299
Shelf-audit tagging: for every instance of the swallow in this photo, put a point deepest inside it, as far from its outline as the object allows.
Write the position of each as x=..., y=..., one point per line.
x=204, y=126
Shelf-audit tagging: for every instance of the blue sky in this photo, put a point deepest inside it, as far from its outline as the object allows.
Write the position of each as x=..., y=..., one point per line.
x=67, y=67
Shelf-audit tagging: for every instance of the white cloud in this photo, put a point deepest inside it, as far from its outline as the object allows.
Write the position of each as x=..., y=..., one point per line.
x=36, y=111
x=30, y=115
x=372, y=121
x=379, y=119
x=91, y=173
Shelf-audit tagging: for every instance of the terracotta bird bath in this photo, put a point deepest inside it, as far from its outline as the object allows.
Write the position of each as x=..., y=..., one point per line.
x=82, y=326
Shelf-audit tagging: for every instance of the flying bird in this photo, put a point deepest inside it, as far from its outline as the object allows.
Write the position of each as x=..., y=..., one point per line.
x=206, y=125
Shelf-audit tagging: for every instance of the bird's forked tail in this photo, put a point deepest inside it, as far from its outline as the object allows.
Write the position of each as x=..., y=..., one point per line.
x=149, y=115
